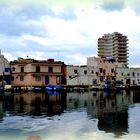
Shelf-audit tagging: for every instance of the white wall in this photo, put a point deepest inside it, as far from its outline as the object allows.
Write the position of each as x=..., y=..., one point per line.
x=135, y=80
x=3, y=64
x=84, y=76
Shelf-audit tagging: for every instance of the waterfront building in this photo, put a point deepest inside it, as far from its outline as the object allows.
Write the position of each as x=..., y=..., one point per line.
x=30, y=72
x=95, y=72
x=80, y=75
x=105, y=68
x=135, y=76
x=114, y=45
x=123, y=74
x=4, y=70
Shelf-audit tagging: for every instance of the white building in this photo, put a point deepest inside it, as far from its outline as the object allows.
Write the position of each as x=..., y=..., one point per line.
x=123, y=73
x=80, y=75
x=135, y=76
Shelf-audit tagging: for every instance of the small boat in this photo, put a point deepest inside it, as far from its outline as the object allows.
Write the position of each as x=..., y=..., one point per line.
x=54, y=88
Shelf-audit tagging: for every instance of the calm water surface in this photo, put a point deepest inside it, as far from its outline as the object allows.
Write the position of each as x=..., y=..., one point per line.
x=70, y=116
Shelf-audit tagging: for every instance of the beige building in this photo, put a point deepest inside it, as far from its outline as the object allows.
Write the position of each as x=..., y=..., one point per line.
x=105, y=68
x=30, y=72
x=114, y=46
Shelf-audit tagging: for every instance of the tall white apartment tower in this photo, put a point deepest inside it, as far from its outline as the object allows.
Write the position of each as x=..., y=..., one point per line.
x=114, y=46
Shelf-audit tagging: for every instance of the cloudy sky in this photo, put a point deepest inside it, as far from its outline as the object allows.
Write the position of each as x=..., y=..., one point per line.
x=66, y=31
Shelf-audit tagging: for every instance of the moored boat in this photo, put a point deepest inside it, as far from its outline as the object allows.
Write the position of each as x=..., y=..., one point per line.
x=54, y=88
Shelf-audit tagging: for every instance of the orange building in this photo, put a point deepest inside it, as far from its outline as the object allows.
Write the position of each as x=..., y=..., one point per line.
x=37, y=73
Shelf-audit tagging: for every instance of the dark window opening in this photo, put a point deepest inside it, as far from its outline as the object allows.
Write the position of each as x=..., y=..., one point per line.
x=13, y=69
x=12, y=78
x=112, y=70
x=101, y=70
x=76, y=71
x=37, y=69
x=21, y=78
x=50, y=69
x=85, y=72
x=22, y=69
x=92, y=72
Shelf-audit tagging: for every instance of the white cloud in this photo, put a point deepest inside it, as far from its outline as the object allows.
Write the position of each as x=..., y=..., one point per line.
x=72, y=38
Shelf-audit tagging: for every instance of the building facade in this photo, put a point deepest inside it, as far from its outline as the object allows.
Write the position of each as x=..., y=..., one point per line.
x=30, y=72
x=115, y=46
x=135, y=76
x=105, y=68
x=80, y=75
x=4, y=70
x=123, y=74
x=95, y=72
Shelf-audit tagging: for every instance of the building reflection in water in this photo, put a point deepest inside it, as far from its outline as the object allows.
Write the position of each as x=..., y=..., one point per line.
x=35, y=104
x=110, y=110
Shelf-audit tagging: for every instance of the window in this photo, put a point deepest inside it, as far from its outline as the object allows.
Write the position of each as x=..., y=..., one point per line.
x=128, y=74
x=76, y=71
x=37, y=69
x=92, y=71
x=13, y=69
x=122, y=74
x=112, y=70
x=38, y=78
x=12, y=78
x=21, y=78
x=85, y=72
x=138, y=74
x=133, y=74
x=101, y=70
x=50, y=69
x=1, y=78
x=22, y=69
x=104, y=72
x=138, y=80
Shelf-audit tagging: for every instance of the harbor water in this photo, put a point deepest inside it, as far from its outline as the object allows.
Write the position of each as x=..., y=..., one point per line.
x=91, y=115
